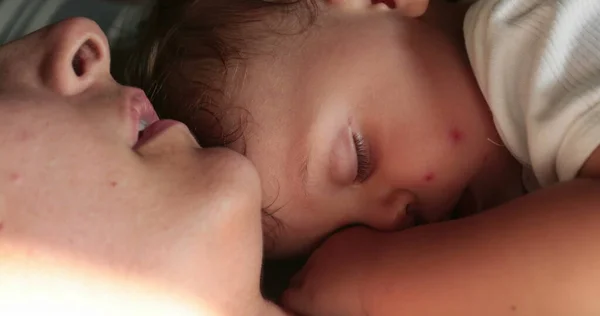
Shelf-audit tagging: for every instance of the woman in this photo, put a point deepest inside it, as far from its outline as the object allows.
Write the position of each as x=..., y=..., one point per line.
x=83, y=228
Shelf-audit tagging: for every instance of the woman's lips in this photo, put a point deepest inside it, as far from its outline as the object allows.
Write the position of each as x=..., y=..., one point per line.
x=147, y=113
x=141, y=113
x=154, y=130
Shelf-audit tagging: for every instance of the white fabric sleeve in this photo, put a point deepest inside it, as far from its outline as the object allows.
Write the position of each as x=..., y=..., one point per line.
x=538, y=65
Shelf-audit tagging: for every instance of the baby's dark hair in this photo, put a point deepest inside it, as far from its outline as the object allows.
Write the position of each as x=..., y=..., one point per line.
x=183, y=55
x=186, y=50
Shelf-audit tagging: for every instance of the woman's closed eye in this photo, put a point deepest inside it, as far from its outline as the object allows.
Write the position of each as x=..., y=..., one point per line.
x=363, y=158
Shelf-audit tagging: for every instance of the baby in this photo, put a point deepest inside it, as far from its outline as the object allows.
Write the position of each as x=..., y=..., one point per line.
x=375, y=114
x=353, y=112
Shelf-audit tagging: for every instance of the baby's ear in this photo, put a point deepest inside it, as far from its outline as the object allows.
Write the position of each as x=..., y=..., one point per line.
x=411, y=8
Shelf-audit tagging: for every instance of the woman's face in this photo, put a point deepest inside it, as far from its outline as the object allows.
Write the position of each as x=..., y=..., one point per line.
x=78, y=186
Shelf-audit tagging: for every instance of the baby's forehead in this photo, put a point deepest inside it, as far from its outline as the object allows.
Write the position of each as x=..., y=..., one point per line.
x=279, y=68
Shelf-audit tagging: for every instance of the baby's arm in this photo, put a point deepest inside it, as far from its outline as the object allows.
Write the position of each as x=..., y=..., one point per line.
x=537, y=255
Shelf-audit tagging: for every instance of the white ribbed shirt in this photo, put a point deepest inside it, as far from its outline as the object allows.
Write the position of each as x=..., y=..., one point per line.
x=538, y=65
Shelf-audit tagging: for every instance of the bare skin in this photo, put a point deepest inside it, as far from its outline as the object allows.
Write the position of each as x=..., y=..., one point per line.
x=94, y=219
x=370, y=117
x=536, y=255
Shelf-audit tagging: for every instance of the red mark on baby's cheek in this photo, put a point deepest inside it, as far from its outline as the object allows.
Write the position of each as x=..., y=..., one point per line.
x=456, y=135
x=114, y=184
x=429, y=177
x=1, y=226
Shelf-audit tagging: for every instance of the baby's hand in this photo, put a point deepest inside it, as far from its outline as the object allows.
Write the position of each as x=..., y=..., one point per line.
x=334, y=280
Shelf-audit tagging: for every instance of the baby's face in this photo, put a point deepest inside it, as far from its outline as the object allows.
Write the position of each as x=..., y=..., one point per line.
x=370, y=118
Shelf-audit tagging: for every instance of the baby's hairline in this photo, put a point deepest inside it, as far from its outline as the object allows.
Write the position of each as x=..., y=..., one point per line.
x=224, y=53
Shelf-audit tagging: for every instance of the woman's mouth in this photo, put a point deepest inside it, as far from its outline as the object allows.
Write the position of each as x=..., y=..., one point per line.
x=142, y=114
x=152, y=130
x=145, y=122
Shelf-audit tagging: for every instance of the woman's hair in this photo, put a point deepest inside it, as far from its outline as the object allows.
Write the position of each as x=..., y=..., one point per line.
x=186, y=50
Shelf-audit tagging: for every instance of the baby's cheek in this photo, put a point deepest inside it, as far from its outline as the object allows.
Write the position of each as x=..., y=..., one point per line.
x=456, y=136
x=444, y=153
x=450, y=148
x=429, y=177
x=440, y=175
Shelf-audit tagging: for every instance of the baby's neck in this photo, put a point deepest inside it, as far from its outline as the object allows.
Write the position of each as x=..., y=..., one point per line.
x=448, y=17
x=499, y=179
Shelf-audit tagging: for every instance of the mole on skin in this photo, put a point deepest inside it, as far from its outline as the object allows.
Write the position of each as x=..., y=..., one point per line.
x=15, y=178
x=24, y=136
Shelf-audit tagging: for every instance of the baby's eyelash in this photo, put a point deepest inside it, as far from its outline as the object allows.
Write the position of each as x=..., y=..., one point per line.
x=363, y=158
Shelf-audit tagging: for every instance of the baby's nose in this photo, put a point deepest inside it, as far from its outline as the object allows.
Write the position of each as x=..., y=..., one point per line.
x=393, y=213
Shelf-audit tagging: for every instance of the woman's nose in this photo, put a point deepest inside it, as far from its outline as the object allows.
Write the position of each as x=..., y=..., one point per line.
x=76, y=57
x=392, y=213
